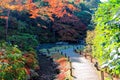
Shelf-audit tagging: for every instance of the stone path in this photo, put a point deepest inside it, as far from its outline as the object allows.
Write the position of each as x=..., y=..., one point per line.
x=82, y=68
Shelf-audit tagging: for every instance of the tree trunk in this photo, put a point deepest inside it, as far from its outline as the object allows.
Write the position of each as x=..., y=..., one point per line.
x=6, y=26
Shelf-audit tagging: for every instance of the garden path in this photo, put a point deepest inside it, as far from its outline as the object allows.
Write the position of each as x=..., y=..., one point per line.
x=82, y=68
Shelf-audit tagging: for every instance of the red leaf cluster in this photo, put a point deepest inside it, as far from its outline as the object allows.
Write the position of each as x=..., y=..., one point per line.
x=68, y=27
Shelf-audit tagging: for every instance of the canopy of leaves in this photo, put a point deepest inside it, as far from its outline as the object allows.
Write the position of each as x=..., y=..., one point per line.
x=73, y=25
x=69, y=28
x=52, y=7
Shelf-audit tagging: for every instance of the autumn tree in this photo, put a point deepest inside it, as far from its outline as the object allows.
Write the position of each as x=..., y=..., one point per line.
x=5, y=7
x=69, y=28
x=54, y=7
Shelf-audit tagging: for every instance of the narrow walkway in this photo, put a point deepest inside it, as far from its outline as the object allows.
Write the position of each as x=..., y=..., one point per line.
x=82, y=68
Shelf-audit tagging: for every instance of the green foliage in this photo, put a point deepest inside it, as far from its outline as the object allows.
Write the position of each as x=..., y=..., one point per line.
x=84, y=16
x=89, y=39
x=11, y=63
x=2, y=32
x=14, y=63
x=84, y=7
x=24, y=41
x=106, y=43
x=92, y=4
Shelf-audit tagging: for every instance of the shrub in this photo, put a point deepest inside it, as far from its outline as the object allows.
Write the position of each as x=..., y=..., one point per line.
x=14, y=63
x=24, y=41
x=11, y=63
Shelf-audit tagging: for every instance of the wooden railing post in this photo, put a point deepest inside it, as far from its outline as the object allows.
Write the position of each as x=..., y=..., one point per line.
x=71, y=69
x=58, y=51
x=65, y=55
x=61, y=53
x=85, y=55
x=68, y=58
x=102, y=75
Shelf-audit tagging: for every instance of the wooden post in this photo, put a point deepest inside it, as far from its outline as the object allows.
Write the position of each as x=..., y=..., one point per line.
x=68, y=58
x=7, y=24
x=85, y=55
x=80, y=52
x=71, y=69
x=48, y=51
x=75, y=50
x=77, y=47
x=61, y=53
x=65, y=55
x=58, y=51
x=102, y=75
x=111, y=77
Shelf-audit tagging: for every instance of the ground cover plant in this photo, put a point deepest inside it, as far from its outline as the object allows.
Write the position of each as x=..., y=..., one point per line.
x=15, y=64
x=64, y=66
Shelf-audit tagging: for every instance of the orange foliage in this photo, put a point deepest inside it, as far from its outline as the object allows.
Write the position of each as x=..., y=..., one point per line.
x=77, y=1
x=27, y=70
x=29, y=1
x=5, y=61
x=61, y=60
x=34, y=13
x=61, y=76
x=10, y=4
x=64, y=66
x=56, y=7
x=1, y=53
x=3, y=17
